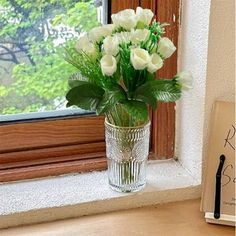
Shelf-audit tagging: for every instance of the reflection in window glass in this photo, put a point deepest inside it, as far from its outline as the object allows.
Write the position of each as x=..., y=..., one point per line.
x=33, y=73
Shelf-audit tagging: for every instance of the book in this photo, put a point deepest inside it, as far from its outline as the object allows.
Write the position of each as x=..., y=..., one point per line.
x=218, y=195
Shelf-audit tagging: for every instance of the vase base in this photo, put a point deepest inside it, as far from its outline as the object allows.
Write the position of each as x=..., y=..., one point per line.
x=127, y=189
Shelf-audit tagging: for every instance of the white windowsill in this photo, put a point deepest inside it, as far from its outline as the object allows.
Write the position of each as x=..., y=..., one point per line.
x=75, y=195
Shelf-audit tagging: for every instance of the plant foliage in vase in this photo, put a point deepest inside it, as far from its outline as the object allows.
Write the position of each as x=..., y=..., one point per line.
x=117, y=65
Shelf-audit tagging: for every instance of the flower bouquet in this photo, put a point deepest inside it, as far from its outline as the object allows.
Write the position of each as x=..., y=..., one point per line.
x=117, y=65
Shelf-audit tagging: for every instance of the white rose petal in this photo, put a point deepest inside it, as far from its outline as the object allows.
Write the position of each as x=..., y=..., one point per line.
x=111, y=45
x=98, y=33
x=108, y=65
x=109, y=27
x=115, y=19
x=95, y=34
x=166, y=47
x=139, y=58
x=139, y=35
x=155, y=63
x=91, y=50
x=144, y=15
x=126, y=19
x=185, y=79
x=86, y=46
x=123, y=37
x=82, y=42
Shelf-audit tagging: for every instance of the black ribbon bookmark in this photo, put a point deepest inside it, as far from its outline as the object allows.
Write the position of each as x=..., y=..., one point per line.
x=218, y=187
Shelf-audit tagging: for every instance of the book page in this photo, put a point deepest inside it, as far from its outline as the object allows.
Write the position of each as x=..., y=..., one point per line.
x=221, y=141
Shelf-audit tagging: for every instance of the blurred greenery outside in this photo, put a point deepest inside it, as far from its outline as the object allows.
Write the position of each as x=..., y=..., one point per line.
x=33, y=72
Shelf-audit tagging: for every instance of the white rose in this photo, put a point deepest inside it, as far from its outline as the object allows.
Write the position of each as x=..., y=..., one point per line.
x=185, y=80
x=82, y=42
x=139, y=58
x=123, y=37
x=155, y=63
x=98, y=33
x=166, y=47
x=139, y=35
x=109, y=27
x=111, y=45
x=86, y=46
x=144, y=15
x=126, y=19
x=108, y=65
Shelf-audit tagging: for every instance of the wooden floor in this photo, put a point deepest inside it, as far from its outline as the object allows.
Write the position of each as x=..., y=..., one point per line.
x=174, y=219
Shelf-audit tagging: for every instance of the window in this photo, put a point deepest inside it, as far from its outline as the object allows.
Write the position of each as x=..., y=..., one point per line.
x=33, y=69
x=45, y=146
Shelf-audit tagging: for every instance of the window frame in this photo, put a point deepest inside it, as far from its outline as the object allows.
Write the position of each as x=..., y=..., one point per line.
x=48, y=147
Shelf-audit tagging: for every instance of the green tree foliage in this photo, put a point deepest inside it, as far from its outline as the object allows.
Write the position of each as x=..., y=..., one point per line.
x=33, y=72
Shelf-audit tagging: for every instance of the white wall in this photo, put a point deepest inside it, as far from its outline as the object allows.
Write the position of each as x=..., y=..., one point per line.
x=190, y=109
x=212, y=64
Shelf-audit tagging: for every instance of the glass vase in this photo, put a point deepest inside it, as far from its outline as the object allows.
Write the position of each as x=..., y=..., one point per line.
x=127, y=151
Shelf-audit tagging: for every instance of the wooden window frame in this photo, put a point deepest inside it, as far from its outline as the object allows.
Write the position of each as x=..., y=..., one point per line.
x=40, y=148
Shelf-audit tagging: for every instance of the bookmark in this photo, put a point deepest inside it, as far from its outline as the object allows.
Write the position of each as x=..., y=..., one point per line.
x=218, y=187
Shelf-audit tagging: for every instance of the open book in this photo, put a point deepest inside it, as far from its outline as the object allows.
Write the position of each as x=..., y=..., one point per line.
x=218, y=197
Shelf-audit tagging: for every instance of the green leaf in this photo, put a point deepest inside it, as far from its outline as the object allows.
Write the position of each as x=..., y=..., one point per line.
x=86, y=65
x=158, y=90
x=127, y=70
x=86, y=96
x=110, y=98
x=76, y=79
x=150, y=76
x=138, y=110
x=148, y=98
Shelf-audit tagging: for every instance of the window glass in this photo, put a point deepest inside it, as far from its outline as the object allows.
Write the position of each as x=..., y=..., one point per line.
x=33, y=73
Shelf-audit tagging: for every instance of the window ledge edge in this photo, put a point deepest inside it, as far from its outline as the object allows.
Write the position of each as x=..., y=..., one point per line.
x=68, y=196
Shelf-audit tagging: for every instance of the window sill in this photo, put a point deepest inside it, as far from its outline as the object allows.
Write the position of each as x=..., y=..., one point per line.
x=152, y=220
x=62, y=197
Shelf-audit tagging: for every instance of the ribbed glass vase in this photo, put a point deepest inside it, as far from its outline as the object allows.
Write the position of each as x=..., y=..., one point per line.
x=127, y=150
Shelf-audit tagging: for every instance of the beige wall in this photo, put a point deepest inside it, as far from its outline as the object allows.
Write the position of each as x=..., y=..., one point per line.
x=220, y=83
